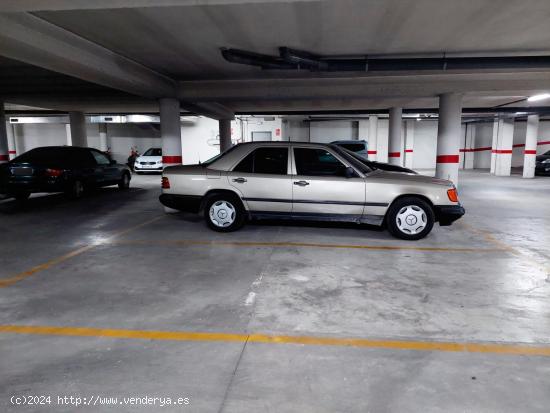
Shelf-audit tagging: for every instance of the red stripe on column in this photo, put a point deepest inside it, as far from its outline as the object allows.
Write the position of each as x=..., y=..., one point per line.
x=171, y=159
x=371, y=152
x=394, y=154
x=12, y=152
x=4, y=157
x=543, y=143
x=502, y=151
x=530, y=152
x=448, y=158
x=518, y=145
x=408, y=150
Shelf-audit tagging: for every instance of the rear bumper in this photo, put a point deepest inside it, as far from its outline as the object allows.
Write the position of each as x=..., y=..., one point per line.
x=13, y=188
x=187, y=203
x=447, y=214
x=542, y=170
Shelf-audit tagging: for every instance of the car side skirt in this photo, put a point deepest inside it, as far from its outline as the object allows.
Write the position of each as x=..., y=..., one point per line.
x=306, y=216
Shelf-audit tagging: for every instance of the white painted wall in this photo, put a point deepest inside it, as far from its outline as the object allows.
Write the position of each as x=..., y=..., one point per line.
x=200, y=138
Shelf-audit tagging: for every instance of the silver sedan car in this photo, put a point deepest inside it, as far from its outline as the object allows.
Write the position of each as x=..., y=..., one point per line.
x=308, y=181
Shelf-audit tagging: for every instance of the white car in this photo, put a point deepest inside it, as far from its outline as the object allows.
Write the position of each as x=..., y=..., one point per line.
x=150, y=161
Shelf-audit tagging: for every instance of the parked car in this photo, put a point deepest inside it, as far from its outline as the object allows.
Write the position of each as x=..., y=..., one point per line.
x=66, y=169
x=150, y=161
x=542, y=167
x=381, y=165
x=356, y=146
x=307, y=181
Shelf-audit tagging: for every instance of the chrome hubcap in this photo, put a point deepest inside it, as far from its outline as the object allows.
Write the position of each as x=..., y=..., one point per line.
x=222, y=213
x=411, y=219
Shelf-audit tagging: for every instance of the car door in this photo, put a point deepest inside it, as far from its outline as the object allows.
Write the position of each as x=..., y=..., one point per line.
x=323, y=186
x=263, y=179
x=106, y=173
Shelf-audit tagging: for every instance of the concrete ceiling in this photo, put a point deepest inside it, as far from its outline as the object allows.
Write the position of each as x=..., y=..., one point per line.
x=110, y=55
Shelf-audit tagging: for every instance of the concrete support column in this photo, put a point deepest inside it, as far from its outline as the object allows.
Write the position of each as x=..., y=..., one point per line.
x=373, y=138
x=409, y=143
x=503, y=165
x=68, y=134
x=170, y=131
x=78, y=129
x=103, y=145
x=448, y=137
x=394, y=136
x=12, y=147
x=4, y=148
x=530, y=153
x=469, y=146
x=494, y=143
x=225, y=134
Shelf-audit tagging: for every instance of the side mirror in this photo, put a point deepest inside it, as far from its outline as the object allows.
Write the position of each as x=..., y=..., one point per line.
x=350, y=172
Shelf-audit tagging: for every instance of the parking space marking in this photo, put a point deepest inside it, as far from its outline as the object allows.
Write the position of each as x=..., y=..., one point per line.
x=302, y=244
x=6, y=282
x=415, y=345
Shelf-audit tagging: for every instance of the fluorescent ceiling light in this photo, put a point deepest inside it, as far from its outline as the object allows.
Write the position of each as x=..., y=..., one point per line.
x=536, y=98
x=521, y=113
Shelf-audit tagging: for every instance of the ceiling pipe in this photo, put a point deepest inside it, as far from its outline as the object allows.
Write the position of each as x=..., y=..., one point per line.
x=291, y=59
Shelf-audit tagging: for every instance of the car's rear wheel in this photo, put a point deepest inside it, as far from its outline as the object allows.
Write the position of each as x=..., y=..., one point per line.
x=124, y=181
x=76, y=190
x=224, y=213
x=410, y=218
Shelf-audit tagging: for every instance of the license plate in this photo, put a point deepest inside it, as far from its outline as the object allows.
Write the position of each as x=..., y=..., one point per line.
x=22, y=171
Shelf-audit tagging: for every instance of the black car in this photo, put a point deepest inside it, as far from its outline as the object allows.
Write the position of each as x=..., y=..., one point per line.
x=66, y=169
x=379, y=165
x=543, y=164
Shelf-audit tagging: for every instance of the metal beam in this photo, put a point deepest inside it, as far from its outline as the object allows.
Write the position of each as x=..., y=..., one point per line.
x=32, y=40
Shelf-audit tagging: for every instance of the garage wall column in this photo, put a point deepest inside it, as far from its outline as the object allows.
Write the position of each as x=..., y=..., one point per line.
x=78, y=129
x=12, y=147
x=373, y=138
x=103, y=145
x=170, y=131
x=225, y=134
x=494, y=143
x=394, y=136
x=530, y=153
x=505, y=141
x=4, y=148
x=448, y=136
x=409, y=143
x=469, y=146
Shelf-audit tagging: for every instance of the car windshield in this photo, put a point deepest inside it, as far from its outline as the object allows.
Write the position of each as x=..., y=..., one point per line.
x=355, y=160
x=153, y=152
x=547, y=153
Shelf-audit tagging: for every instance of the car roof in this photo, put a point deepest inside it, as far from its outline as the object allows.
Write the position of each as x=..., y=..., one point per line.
x=237, y=152
x=349, y=141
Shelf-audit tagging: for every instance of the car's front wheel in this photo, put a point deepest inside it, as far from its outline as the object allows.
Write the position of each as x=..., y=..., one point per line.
x=224, y=213
x=410, y=218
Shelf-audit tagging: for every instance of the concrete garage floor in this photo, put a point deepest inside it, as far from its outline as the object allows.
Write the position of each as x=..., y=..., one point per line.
x=125, y=301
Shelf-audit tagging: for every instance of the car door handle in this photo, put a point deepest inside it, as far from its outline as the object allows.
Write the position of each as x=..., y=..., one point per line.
x=239, y=180
x=301, y=183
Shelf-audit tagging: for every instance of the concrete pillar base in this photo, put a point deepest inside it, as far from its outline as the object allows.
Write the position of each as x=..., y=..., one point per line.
x=448, y=137
x=530, y=153
x=394, y=137
x=170, y=131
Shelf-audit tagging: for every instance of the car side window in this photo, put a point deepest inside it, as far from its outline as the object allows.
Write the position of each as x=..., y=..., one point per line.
x=272, y=161
x=317, y=162
x=100, y=158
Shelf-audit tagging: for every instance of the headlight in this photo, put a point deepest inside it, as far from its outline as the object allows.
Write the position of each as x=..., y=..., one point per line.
x=546, y=161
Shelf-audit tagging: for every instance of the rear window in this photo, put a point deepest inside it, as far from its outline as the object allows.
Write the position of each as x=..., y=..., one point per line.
x=354, y=147
x=265, y=161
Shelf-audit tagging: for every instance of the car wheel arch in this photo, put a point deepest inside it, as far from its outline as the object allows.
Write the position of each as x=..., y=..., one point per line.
x=419, y=196
x=214, y=192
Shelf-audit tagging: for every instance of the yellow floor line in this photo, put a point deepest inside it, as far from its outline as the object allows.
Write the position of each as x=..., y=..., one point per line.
x=302, y=244
x=6, y=282
x=529, y=350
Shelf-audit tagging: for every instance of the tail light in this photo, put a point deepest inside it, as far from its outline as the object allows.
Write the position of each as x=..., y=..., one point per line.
x=54, y=173
x=453, y=195
x=165, y=183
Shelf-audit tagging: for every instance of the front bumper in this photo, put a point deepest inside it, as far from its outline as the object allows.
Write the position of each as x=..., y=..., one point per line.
x=187, y=203
x=542, y=169
x=447, y=214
